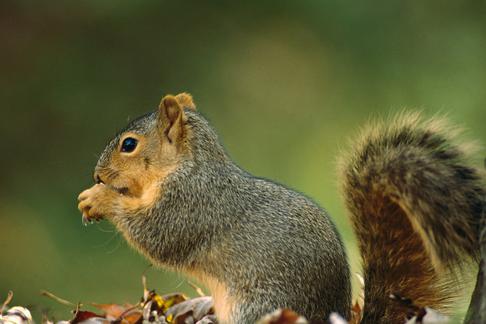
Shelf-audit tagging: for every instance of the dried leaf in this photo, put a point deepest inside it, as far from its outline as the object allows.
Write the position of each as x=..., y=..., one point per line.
x=335, y=318
x=196, y=309
x=208, y=319
x=17, y=315
x=199, y=291
x=163, y=303
x=114, y=311
x=429, y=316
x=356, y=313
x=132, y=318
x=59, y=299
x=95, y=320
x=283, y=316
x=6, y=302
x=83, y=316
x=151, y=314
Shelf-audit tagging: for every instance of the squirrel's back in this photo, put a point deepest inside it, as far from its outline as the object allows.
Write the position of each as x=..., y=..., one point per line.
x=283, y=233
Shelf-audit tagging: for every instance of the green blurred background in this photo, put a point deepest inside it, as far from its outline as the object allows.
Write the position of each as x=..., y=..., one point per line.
x=285, y=83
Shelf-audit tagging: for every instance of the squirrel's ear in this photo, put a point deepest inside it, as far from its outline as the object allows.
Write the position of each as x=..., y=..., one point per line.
x=171, y=116
x=185, y=100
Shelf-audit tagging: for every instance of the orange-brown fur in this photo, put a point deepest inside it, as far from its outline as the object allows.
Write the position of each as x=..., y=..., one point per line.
x=185, y=100
x=140, y=184
x=224, y=303
x=396, y=252
x=415, y=204
x=207, y=206
x=101, y=201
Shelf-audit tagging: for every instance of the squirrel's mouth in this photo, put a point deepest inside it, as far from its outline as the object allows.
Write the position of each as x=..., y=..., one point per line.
x=89, y=220
x=120, y=190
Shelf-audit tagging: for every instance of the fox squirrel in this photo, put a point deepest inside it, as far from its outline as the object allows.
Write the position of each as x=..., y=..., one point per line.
x=167, y=184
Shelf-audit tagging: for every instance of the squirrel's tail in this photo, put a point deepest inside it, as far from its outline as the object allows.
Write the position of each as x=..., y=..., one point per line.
x=416, y=205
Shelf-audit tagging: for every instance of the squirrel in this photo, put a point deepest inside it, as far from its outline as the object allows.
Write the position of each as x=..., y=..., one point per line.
x=170, y=188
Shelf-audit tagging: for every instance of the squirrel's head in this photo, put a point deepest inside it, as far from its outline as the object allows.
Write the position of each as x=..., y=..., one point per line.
x=148, y=149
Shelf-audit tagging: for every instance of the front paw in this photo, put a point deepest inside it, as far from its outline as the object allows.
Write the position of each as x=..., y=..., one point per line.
x=95, y=202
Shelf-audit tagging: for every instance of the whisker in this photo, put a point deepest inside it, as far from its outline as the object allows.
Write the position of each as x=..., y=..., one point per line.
x=117, y=246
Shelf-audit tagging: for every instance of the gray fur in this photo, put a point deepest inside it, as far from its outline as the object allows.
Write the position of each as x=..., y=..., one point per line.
x=271, y=246
x=415, y=203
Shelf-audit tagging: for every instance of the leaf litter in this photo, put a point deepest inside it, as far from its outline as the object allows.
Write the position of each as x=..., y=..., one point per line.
x=177, y=308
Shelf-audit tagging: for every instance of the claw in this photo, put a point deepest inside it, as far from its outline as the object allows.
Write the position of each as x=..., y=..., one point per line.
x=85, y=220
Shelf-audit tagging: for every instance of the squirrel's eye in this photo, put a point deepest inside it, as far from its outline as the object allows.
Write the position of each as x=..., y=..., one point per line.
x=129, y=144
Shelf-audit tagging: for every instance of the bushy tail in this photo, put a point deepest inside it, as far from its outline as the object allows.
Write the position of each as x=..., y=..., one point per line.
x=415, y=204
